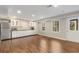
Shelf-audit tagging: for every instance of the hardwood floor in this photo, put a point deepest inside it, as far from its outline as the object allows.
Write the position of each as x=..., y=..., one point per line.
x=37, y=44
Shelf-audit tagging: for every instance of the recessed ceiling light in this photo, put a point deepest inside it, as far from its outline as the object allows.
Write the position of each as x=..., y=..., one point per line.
x=33, y=15
x=19, y=11
x=55, y=5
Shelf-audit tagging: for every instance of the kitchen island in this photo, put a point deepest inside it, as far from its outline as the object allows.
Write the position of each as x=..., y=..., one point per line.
x=16, y=34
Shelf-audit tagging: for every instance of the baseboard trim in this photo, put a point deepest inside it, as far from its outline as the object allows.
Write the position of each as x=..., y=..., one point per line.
x=41, y=35
x=59, y=39
x=18, y=37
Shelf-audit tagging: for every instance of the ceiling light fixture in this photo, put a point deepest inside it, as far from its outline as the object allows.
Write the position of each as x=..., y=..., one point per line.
x=55, y=5
x=33, y=15
x=18, y=11
x=48, y=6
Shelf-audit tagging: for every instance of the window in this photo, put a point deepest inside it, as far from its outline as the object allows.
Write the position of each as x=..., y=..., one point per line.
x=12, y=23
x=43, y=26
x=32, y=25
x=21, y=25
x=55, y=25
x=16, y=23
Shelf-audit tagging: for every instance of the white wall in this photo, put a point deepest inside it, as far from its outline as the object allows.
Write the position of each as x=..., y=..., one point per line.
x=65, y=33
x=49, y=32
x=72, y=35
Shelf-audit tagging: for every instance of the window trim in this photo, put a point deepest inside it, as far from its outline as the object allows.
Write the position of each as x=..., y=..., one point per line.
x=52, y=26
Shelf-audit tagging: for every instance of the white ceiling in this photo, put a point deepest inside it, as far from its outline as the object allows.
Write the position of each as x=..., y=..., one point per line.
x=38, y=10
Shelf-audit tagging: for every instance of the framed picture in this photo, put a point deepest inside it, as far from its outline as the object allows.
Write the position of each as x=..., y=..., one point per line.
x=74, y=24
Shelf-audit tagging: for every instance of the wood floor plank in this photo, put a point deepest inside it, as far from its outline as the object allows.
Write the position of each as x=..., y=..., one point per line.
x=38, y=44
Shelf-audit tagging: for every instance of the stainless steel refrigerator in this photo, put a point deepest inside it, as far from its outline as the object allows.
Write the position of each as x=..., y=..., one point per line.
x=5, y=32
